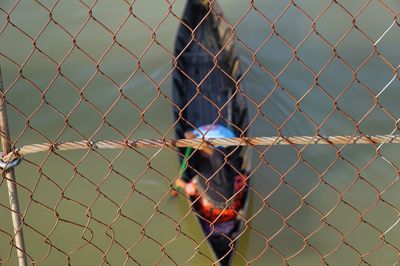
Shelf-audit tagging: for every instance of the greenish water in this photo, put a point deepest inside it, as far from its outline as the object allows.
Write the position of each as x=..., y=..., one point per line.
x=341, y=199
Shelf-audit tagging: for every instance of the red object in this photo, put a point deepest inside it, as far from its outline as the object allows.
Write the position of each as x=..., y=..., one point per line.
x=219, y=215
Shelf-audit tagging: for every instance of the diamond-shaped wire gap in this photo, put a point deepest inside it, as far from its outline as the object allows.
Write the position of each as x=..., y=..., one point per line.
x=323, y=198
x=233, y=14
x=313, y=9
x=364, y=238
x=8, y=5
x=392, y=231
x=393, y=6
x=361, y=195
x=266, y=220
x=314, y=52
x=378, y=172
x=33, y=23
x=119, y=121
x=188, y=229
x=115, y=254
x=336, y=221
x=387, y=99
x=258, y=24
x=340, y=175
x=354, y=7
x=319, y=157
x=149, y=251
x=361, y=155
x=99, y=231
x=342, y=256
x=337, y=123
x=259, y=250
x=70, y=15
x=141, y=96
x=140, y=209
x=35, y=239
x=326, y=240
x=158, y=178
x=137, y=42
x=329, y=75
x=47, y=3
x=291, y=203
x=54, y=41
x=132, y=122
x=274, y=55
x=62, y=96
x=374, y=12
x=297, y=79
x=355, y=103
x=20, y=107
x=182, y=249
x=150, y=63
x=163, y=229
x=306, y=256
x=385, y=255
x=111, y=14
x=271, y=9
x=165, y=90
x=287, y=242
x=298, y=124
x=47, y=122
x=387, y=45
x=86, y=116
x=334, y=23
x=293, y=26
x=119, y=249
x=8, y=38
x=146, y=177
x=382, y=72
x=39, y=69
x=302, y=178
x=93, y=32
x=65, y=233
x=314, y=106
x=255, y=83
x=96, y=245
x=78, y=77
x=139, y=89
x=162, y=33
x=355, y=48
x=382, y=216
x=377, y=121
x=279, y=107
x=141, y=11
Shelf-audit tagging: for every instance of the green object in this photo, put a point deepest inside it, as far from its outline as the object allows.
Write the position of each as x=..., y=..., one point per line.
x=183, y=167
x=184, y=161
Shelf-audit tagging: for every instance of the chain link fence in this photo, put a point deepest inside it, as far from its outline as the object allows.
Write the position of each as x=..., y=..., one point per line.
x=81, y=71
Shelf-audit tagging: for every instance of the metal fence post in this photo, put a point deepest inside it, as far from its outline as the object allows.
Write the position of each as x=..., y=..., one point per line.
x=11, y=182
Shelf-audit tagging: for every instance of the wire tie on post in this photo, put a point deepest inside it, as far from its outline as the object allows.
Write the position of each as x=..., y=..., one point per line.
x=8, y=165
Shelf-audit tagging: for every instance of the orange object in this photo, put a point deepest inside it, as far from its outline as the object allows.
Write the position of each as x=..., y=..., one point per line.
x=208, y=212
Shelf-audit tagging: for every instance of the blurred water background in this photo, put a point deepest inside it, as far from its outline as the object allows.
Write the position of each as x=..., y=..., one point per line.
x=80, y=205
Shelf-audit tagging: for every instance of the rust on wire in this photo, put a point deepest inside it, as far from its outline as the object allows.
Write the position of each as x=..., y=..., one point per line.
x=71, y=212
x=196, y=143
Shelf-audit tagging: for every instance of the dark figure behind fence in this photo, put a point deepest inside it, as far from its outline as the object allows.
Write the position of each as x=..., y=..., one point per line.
x=209, y=103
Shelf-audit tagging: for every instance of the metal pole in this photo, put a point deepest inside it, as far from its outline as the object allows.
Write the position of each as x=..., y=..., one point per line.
x=11, y=182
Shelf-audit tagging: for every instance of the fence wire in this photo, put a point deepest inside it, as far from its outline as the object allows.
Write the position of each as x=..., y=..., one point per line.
x=76, y=72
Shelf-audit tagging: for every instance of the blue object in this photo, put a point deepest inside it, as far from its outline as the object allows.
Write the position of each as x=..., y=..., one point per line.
x=213, y=131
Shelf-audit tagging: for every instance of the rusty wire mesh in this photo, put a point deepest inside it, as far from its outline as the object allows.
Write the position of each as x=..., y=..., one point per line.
x=89, y=70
